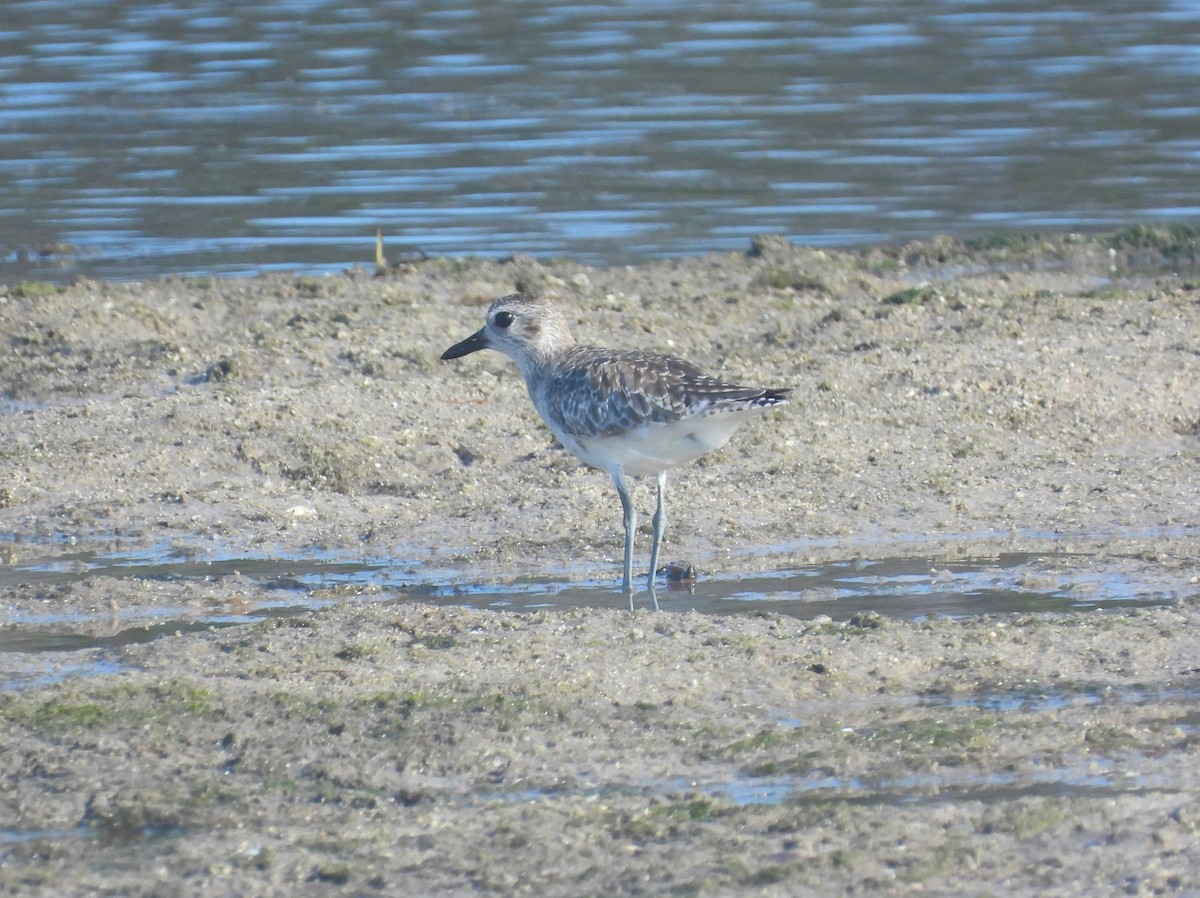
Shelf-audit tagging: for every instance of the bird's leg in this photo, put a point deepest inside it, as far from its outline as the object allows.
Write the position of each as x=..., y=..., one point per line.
x=660, y=524
x=629, y=516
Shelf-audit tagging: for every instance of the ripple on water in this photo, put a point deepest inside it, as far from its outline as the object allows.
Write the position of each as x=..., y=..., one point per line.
x=347, y=115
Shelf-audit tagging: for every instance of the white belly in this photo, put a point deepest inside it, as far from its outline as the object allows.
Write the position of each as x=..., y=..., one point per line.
x=655, y=447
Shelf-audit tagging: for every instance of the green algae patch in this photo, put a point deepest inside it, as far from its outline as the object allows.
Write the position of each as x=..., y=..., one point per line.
x=108, y=707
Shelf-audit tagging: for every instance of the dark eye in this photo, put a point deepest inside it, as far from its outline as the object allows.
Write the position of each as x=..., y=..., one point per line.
x=503, y=319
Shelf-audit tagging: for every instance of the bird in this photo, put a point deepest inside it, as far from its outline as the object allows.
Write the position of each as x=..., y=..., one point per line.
x=626, y=412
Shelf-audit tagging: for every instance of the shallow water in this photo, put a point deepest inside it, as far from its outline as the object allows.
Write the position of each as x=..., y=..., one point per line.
x=147, y=138
x=910, y=587
x=927, y=789
x=738, y=792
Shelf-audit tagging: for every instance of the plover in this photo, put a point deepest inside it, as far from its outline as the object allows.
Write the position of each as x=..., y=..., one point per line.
x=624, y=412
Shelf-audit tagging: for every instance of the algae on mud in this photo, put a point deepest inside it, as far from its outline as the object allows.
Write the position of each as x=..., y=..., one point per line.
x=441, y=751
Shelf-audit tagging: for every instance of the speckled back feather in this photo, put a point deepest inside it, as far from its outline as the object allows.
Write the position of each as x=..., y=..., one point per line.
x=597, y=392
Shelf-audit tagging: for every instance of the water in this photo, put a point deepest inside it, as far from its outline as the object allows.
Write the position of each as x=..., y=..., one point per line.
x=141, y=138
x=910, y=587
x=45, y=639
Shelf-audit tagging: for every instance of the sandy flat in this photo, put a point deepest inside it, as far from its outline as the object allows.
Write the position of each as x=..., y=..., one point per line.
x=950, y=402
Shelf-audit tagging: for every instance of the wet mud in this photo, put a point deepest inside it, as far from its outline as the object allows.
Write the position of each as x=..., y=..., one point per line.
x=289, y=607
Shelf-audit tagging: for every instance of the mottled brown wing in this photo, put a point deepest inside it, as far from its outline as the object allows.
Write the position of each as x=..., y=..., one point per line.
x=600, y=392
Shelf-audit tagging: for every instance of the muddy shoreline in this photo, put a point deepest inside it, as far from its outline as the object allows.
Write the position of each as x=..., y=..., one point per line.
x=1033, y=395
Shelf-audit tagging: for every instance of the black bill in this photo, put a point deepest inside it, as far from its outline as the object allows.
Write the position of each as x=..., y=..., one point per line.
x=473, y=343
